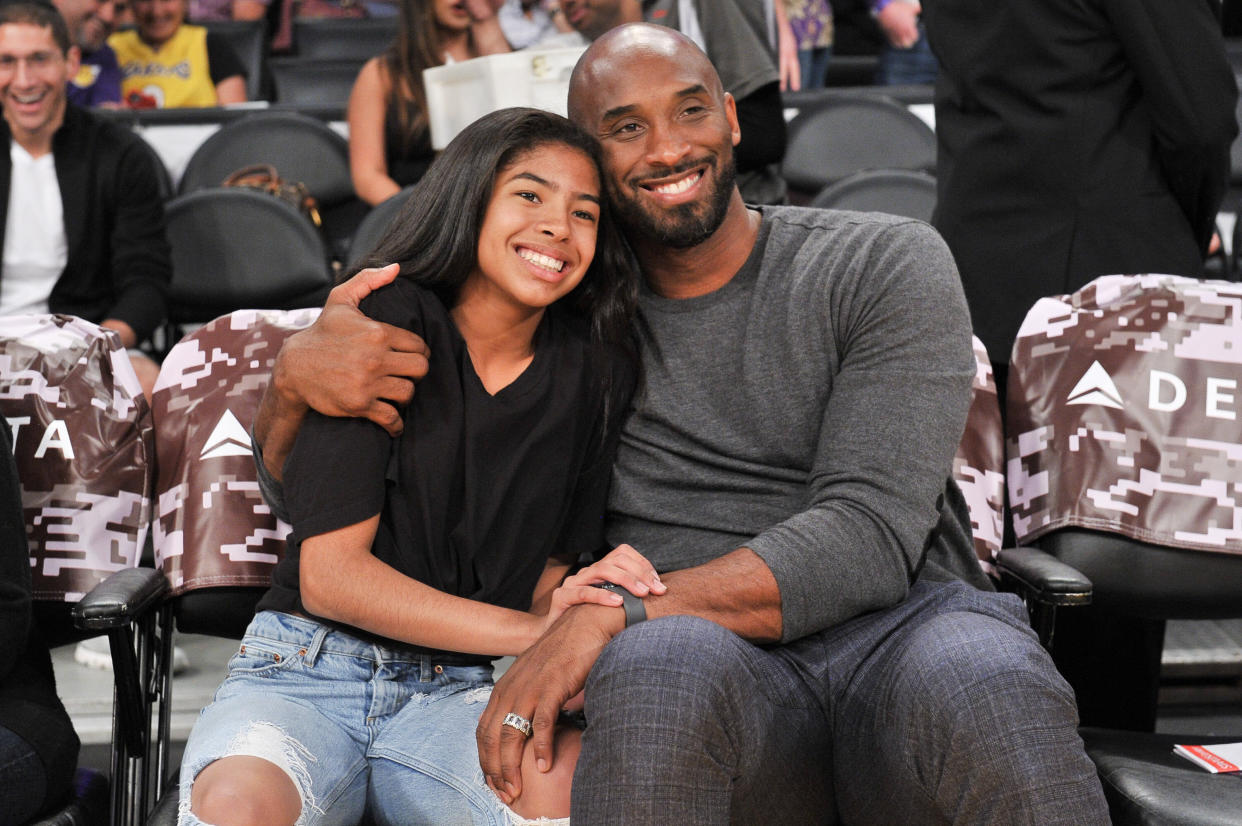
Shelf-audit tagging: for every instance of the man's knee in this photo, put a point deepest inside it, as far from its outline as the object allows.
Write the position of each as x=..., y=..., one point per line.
x=657, y=656
x=979, y=663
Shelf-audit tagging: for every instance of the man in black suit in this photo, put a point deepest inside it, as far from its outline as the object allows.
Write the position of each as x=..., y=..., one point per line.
x=1077, y=138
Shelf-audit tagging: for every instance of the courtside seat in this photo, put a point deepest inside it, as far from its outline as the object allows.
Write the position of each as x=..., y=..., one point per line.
x=1125, y=461
x=84, y=448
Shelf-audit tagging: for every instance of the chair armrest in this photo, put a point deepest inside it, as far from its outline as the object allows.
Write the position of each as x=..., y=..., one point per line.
x=1041, y=578
x=120, y=599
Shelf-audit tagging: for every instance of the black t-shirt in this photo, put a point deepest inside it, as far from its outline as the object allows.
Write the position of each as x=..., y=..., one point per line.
x=222, y=60
x=479, y=490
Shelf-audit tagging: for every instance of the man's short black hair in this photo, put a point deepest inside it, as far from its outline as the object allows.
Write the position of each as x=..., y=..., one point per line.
x=37, y=13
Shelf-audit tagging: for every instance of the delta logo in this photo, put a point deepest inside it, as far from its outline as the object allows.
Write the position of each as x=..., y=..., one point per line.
x=1166, y=393
x=228, y=438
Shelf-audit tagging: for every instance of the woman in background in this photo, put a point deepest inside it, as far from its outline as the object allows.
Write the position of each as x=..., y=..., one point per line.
x=389, y=127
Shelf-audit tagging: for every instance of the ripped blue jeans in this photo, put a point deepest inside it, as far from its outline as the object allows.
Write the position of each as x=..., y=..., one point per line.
x=356, y=726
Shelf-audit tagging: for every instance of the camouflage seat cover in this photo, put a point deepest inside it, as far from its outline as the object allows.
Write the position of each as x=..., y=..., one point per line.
x=83, y=444
x=213, y=527
x=1123, y=413
x=979, y=464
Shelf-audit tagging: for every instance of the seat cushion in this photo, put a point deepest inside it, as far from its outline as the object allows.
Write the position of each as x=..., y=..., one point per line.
x=1146, y=783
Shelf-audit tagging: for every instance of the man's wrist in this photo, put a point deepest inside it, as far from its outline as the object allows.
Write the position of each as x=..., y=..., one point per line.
x=635, y=609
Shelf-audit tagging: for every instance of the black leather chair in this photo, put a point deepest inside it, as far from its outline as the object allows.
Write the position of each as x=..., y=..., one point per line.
x=314, y=82
x=337, y=39
x=904, y=192
x=375, y=224
x=235, y=248
x=209, y=390
x=848, y=134
x=248, y=38
x=85, y=498
x=301, y=148
x=1139, y=496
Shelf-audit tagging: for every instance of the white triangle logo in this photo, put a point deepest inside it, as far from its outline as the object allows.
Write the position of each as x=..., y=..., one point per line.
x=228, y=438
x=1096, y=387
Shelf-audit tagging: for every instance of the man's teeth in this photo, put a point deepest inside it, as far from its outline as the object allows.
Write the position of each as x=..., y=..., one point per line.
x=34, y=98
x=545, y=261
x=677, y=187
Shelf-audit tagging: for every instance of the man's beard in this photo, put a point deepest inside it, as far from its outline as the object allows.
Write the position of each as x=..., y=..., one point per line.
x=685, y=225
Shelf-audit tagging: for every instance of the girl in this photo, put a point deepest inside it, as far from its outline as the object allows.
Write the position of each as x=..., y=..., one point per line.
x=362, y=677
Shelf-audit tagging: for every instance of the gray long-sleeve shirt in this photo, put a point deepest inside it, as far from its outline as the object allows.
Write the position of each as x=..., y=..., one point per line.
x=808, y=410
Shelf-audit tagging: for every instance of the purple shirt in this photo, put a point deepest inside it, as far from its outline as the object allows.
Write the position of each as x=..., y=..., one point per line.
x=98, y=81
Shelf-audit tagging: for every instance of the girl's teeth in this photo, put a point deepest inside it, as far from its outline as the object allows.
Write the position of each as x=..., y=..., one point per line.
x=545, y=261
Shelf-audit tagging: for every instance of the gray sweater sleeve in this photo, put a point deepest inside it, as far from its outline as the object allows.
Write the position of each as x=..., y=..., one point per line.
x=898, y=342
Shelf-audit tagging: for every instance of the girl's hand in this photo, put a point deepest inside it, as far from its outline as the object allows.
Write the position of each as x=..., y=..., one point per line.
x=622, y=566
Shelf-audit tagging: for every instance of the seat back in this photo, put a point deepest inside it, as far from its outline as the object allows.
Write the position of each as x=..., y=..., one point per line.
x=849, y=134
x=215, y=538
x=84, y=447
x=906, y=192
x=301, y=148
x=301, y=82
x=239, y=249
x=248, y=39
x=373, y=227
x=979, y=464
x=1125, y=453
x=343, y=39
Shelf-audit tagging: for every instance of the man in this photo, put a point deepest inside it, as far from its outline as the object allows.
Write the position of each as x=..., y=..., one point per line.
x=1076, y=139
x=98, y=80
x=82, y=217
x=806, y=376
x=735, y=36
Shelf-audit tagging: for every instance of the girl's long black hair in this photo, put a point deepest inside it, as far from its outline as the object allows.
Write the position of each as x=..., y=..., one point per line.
x=435, y=236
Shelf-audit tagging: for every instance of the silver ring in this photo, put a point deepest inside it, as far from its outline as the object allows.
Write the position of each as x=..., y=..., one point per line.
x=518, y=722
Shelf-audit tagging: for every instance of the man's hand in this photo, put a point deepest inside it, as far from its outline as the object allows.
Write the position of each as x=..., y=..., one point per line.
x=900, y=22
x=346, y=364
x=787, y=51
x=538, y=684
x=128, y=337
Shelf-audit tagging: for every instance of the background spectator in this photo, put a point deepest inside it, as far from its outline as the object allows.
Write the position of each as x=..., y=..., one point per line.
x=531, y=22
x=906, y=57
x=1060, y=162
x=202, y=11
x=811, y=23
x=80, y=206
x=166, y=62
x=98, y=81
x=389, y=131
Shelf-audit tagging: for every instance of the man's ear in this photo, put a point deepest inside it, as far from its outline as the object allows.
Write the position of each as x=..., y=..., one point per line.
x=731, y=114
x=73, y=59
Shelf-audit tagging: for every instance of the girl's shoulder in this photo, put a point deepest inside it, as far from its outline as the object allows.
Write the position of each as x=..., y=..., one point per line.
x=405, y=304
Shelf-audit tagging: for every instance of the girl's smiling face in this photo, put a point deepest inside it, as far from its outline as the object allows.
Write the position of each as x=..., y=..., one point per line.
x=538, y=234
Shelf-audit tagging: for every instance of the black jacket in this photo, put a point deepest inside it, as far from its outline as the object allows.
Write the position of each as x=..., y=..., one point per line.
x=119, y=263
x=1077, y=138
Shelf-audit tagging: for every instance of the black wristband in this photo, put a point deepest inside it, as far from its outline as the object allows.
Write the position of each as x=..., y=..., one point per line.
x=635, y=610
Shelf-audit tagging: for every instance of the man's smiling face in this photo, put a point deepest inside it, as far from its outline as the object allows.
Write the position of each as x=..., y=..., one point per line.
x=667, y=129
x=33, y=74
